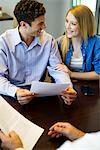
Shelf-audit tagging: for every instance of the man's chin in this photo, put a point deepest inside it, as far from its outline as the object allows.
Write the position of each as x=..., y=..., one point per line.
x=38, y=34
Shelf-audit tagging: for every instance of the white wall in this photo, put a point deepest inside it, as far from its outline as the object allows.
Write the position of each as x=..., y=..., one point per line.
x=8, y=5
x=55, y=15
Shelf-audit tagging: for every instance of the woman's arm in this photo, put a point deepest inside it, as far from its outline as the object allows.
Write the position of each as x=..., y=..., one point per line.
x=78, y=75
x=84, y=75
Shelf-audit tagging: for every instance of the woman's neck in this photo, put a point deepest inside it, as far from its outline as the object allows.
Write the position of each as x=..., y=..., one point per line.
x=76, y=42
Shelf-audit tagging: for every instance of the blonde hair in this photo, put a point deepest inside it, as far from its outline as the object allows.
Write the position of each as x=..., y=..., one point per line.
x=86, y=22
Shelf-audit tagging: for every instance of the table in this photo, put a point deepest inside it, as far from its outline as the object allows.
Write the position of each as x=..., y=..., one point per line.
x=84, y=113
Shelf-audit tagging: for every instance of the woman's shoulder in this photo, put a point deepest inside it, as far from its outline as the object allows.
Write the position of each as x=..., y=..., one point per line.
x=59, y=39
x=95, y=38
x=94, y=42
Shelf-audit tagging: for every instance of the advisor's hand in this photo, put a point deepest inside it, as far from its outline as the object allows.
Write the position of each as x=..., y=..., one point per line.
x=65, y=129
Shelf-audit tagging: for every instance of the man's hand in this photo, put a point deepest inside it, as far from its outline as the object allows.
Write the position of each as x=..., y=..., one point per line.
x=69, y=95
x=10, y=141
x=24, y=96
x=65, y=129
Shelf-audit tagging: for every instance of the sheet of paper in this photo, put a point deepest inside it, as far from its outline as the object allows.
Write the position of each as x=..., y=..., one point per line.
x=10, y=119
x=47, y=89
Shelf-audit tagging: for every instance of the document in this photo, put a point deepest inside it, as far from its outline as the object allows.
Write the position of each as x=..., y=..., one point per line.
x=10, y=120
x=47, y=89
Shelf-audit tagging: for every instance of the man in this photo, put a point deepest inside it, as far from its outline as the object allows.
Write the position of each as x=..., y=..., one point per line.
x=81, y=140
x=26, y=52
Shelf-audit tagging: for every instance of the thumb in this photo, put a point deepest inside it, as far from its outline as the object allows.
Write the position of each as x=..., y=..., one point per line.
x=2, y=136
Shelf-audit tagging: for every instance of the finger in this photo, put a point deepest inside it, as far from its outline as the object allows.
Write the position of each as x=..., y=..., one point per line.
x=59, y=135
x=69, y=93
x=12, y=133
x=23, y=103
x=24, y=94
x=68, y=102
x=70, y=90
x=54, y=135
x=51, y=132
x=2, y=136
x=21, y=98
x=52, y=128
x=68, y=98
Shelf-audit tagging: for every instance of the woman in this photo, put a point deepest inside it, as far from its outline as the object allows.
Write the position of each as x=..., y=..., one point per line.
x=80, y=47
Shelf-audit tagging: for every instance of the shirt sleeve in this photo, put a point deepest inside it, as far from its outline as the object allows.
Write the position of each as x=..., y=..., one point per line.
x=88, y=142
x=6, y=87
x=96, y=56
x=54, y=59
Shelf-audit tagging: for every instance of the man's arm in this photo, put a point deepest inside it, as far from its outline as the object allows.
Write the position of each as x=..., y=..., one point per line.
x=78, y=75
x=54, y=59
x=85, y=75
x=69, y=95
x=6, y=87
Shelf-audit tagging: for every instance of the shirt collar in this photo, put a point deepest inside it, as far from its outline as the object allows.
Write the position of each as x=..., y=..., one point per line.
x=14, y=39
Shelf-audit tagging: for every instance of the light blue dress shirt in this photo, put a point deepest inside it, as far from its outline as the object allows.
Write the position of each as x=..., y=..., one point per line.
x=22, y=64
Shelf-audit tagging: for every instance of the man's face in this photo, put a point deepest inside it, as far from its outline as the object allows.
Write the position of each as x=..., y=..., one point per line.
x=36, y=26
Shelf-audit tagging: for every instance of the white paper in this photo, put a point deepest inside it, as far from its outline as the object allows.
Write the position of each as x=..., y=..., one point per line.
x=47, y=89
x=10, y=119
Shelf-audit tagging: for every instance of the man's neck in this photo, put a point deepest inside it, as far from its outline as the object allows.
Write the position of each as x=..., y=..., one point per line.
x=27, y=39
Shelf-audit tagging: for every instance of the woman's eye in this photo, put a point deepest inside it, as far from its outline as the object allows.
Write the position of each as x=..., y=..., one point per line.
x=74, y=24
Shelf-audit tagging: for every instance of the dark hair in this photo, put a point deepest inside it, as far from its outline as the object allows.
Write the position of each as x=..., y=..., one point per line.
x=28, y=10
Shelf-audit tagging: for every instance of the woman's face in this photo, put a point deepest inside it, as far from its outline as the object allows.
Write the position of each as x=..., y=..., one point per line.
x=72, y=27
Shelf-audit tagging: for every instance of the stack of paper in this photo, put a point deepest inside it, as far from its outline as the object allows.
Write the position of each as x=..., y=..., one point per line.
x=47, y=89
x=10, y=119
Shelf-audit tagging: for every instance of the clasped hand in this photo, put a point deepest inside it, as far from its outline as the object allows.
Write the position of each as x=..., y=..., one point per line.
x=68, y=95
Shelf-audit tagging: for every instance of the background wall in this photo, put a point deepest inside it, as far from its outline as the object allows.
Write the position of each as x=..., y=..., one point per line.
x=55, y=13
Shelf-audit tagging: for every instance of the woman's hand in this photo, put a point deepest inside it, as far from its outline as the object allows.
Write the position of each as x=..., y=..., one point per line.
x=64, y=68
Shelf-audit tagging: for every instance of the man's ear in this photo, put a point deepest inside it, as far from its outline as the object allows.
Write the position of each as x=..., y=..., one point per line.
x=23, y=24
